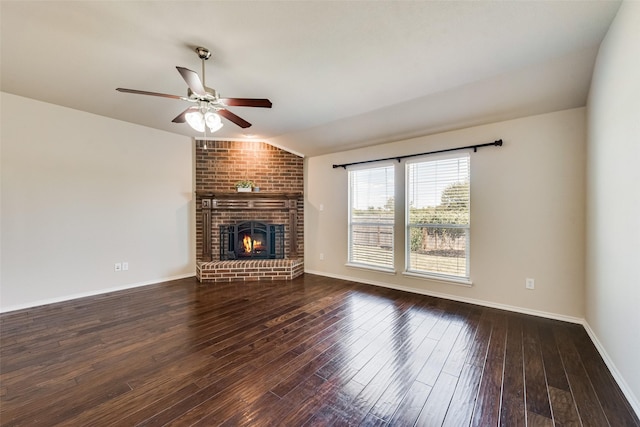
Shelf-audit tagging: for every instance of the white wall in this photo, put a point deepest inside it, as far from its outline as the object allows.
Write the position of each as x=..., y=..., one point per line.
x=527, y=214
x=81, y=192
x=613, y=200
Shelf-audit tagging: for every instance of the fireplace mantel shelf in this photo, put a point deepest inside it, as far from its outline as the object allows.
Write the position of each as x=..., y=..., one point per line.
x=248, y=195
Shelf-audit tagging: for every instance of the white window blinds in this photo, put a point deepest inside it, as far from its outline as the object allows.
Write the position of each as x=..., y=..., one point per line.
x=371, y=217
x=438, y=213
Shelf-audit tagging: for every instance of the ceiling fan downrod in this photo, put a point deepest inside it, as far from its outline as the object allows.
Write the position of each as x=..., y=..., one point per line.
x=203, y=54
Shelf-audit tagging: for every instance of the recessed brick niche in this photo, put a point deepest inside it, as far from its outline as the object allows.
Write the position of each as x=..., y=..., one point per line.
x=279, y=175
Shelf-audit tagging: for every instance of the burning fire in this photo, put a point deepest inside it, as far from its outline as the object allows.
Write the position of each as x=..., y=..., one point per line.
x=249, y=244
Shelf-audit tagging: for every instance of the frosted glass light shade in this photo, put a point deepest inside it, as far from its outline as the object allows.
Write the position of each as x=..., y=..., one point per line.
x=213, y=121
x=195, y=120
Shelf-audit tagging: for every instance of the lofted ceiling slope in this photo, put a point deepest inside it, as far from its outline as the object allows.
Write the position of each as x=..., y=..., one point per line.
x=340, y=74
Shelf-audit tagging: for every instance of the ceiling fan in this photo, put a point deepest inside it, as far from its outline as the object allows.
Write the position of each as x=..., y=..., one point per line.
x=208, y=105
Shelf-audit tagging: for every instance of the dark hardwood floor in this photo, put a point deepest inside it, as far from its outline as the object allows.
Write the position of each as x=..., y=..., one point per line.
x=313, y=351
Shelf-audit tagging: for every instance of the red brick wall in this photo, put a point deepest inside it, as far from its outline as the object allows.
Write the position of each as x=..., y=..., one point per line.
x=223, y=163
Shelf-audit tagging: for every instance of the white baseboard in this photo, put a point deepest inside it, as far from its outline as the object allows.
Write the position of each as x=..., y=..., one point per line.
x=92, y=293
x=539, y=313
x=617, y=376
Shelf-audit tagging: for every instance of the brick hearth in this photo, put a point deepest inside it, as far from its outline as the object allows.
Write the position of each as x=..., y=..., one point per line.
x=249, y=270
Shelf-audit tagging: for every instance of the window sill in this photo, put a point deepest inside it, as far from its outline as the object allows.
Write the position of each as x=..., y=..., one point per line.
x=448, y=280
x=372, y=268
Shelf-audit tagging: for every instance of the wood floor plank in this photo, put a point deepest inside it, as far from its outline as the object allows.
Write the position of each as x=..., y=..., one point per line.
x=435, y=408
x=308, y=399
x=551, y=357
x=478, y=351
x=399, y=385
x=564, y=408
x=537, y=396
x=536, y=420
x=411, y=405
x=308, y=352
x=256, y=413
x=587, y=403
x=431, y=370
x=487, y=408
x=464, y=398
x=372, y=421
x=513, y=412
x=462, y=347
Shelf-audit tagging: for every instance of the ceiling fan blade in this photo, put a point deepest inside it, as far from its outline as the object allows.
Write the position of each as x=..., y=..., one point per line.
x=180, y=118
x=193, y=81
x=143, y=92
x=235, y=119
x=246, y=102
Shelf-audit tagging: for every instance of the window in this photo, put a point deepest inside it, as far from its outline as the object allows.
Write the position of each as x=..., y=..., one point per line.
x=371, y=217
x=438, y=217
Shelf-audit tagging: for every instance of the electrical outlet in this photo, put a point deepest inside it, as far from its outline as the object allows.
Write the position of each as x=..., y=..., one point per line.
x=529, y=283
x=321, y=257
x=125, y=266
x=117, y=266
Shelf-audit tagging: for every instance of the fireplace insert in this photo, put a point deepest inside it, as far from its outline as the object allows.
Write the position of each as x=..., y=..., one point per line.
x=251, y=240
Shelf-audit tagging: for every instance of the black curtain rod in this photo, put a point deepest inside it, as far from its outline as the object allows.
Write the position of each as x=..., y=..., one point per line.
x=497, y=143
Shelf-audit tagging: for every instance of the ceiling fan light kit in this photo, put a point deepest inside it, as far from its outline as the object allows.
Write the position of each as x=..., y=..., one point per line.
x=210, y=105
x=197, y=120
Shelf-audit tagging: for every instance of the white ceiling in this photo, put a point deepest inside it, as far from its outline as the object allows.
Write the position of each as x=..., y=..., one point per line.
x=340, y=74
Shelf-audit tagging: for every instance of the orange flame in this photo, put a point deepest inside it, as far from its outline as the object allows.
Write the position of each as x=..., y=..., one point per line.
x=246, y=242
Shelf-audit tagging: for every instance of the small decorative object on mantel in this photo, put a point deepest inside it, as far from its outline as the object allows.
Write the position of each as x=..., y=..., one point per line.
x=244, y=186
x=256, y=189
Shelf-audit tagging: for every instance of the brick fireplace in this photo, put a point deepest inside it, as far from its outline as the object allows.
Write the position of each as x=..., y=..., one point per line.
x=279, y=175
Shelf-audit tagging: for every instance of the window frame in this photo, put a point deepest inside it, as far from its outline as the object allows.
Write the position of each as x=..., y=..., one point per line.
x=430, y=274
x=350, y=259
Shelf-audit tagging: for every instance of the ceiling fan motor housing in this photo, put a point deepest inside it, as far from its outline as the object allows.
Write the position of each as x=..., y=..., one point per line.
x=212, y=94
